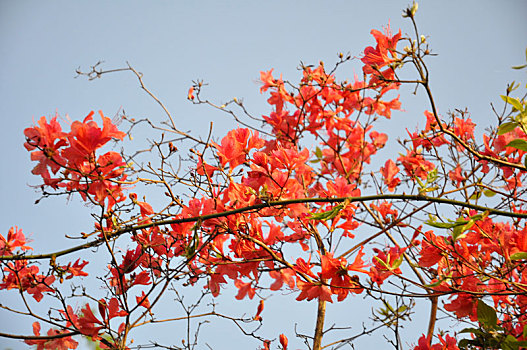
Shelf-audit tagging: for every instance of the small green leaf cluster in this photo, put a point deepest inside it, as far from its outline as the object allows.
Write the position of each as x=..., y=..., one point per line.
x=489, y=335
x=458, y=227
x=390, y=315
x=518, y=117
x=425, y=187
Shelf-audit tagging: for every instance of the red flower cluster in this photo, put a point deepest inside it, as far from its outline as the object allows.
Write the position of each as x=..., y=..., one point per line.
x=96, y=178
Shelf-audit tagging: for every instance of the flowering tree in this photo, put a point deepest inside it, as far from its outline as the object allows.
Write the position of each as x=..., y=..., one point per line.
x=280, y=204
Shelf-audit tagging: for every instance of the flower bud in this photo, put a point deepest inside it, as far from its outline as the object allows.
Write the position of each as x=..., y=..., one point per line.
x=283, y=341
x=413, y=9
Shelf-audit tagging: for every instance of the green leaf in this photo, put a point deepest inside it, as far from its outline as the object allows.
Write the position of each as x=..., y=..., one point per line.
x=191, y=248
x=475, y=195
x=402, y=309
x=487, y=315
x=513, y=101
x=397, y=263
x=432, y=176
x=470, y=330
x=424, y=191
x=510, y=343
x=382, y=262
x=507, y=127
x=525, y=65
x=327, y=215
x=434, y=284
x=318, y=153
x=521, y=118
x=459, y=230
x=519, y=256
x=512, y=86
x=463, y=343
x=518, y=144
x=489, y=193
x=444, y=224
x=390, y=308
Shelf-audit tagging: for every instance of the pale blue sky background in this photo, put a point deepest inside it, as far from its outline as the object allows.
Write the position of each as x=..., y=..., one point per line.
x=226, y=43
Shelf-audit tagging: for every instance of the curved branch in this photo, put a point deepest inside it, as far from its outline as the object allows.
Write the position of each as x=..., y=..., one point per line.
x=39, y=337
x=279, y=203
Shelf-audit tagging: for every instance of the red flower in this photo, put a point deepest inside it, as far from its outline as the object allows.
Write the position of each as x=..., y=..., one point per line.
x=267, y=79
x=386, y=263
x=336, y=271
x=15, y=239
x=433, y=249
x=62, y=343
x=384, y=53
x=282, y=276
x=87, y=322
x=456, y=176
x=283, y=341
x=266, y=344
x=259, y=311
x=143, y=300
x=311, y=291
x=236, y=145
x=19, y=275
x=203, y=168
x=146, y=209
x=86, y=137
x=47, y=139
x=111, y=309
x=449, y=343
x=75, y=269
x=385, y=209
x=464, y=129
x=244, y=289
x=415, y=164
x=388, y=172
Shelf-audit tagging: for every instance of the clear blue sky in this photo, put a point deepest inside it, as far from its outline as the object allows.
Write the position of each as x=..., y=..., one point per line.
x=226, y=43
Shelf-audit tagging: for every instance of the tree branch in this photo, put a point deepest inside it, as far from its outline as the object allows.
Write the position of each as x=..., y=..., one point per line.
x=280, y=203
